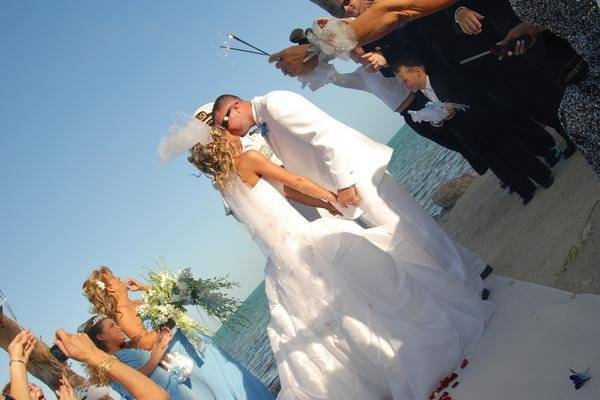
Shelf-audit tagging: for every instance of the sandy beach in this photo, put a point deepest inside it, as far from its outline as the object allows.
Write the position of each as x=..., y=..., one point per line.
x=553, y=241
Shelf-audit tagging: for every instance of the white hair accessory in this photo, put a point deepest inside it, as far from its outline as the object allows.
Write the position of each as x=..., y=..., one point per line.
x=101, y=284
x=90, y=323
x=185, y=133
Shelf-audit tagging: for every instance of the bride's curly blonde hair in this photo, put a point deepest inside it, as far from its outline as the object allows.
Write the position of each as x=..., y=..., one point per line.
x=94, y=288
x=215, y=159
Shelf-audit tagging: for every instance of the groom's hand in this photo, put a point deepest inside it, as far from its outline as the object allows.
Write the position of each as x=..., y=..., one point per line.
x=348, y=197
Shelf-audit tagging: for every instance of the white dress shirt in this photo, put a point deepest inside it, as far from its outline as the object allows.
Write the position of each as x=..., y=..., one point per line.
x=429, y=92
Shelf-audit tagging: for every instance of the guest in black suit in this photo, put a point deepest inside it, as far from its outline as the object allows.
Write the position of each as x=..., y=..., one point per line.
x=484, y=129
x=441, y=136
x=518, y=82
x=431, y=39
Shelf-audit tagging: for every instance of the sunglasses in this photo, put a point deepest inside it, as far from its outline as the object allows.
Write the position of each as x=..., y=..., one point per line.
x=225, y=122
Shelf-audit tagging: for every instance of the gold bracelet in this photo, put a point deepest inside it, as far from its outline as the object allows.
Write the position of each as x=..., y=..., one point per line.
x=101, y=378
x=19, y=361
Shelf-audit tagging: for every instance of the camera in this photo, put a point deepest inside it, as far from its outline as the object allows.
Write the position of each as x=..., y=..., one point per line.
x=58, y=354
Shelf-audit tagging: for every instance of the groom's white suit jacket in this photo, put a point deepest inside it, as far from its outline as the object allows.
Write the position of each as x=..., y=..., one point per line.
x=310, y=142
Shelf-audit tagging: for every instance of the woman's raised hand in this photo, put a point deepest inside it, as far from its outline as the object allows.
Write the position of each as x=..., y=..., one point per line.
x=21, y=346
x=65, y=391
x=134, y=285
x=79, y=347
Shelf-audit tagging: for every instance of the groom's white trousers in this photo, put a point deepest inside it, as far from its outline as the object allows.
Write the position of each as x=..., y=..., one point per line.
x=393, y=206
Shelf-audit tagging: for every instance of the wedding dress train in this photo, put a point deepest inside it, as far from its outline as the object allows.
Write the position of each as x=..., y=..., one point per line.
x=358, y=313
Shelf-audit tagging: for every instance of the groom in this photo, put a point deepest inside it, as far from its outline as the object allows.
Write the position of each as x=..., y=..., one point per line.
x=309, y=142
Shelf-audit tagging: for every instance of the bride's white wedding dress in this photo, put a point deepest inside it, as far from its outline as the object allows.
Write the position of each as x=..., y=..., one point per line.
x=358, y=314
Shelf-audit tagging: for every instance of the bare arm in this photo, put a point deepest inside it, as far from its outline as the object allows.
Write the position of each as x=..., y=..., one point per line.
x=140, y=386
x=132, y=325
x=379, y=20
x=386, y=15
x=253, y=162
x=81, y=348
x=19, y=351
x=301, y=198
x=19, y=386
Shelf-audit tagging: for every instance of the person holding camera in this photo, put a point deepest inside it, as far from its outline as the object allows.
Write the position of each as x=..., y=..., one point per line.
x=106, y=367
x=108, y=337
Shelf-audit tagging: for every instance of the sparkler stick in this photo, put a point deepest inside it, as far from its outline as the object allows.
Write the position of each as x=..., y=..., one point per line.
x=232, y=36
x=242, y=50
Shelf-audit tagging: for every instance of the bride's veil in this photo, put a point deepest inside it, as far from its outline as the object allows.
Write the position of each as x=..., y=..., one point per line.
x=285, y=238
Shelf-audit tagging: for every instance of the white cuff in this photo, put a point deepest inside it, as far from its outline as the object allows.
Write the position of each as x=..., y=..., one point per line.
x=343, y=181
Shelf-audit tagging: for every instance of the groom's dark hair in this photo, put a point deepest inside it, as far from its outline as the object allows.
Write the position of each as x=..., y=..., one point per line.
x=221, y=99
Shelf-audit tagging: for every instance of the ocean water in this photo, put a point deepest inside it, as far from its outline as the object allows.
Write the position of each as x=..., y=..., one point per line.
x=420, y=166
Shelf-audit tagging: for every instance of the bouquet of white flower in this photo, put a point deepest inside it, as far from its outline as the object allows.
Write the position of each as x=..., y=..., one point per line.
x=168, y=294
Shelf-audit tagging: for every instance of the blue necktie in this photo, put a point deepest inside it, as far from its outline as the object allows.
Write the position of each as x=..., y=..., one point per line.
x=263, y=129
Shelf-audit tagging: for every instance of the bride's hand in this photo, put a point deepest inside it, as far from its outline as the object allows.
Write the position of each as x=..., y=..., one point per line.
x=332, y=210
x=134, y=285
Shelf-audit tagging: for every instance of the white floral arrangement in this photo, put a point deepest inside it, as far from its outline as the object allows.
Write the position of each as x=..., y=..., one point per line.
x=334, y=40
x=178, y=365
x=168, y=294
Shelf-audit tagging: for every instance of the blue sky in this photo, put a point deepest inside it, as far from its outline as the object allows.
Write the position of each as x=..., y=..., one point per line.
x=87, y=91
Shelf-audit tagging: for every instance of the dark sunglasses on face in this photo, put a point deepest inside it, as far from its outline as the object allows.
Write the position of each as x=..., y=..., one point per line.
x=225, y=122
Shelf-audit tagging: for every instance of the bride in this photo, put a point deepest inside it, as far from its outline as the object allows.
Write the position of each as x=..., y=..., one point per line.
x=355, y=313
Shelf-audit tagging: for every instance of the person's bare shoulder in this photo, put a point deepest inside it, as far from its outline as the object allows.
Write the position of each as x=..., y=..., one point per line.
x=250, y=159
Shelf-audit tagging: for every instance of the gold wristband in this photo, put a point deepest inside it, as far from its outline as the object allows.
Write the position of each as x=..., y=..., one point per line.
x=19, y=361
x=100, y=375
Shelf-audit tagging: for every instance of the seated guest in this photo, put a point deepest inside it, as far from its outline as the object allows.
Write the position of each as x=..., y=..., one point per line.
x=108, y=336
x=107, y=368
x=483, y=129
x=215, y=374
